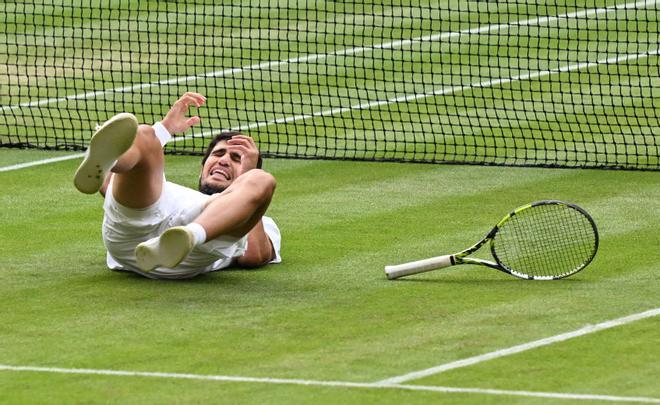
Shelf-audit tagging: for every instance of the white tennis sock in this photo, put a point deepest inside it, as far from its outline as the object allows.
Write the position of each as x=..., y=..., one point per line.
x=198, y=231
x=162, y=133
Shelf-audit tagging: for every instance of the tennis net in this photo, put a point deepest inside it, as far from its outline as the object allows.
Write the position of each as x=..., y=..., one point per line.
x=529, y=83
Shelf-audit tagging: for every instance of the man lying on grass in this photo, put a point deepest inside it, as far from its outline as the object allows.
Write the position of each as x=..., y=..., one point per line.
x=163, y=230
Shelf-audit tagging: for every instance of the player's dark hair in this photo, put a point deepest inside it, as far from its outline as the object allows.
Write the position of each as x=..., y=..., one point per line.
x=224, y=136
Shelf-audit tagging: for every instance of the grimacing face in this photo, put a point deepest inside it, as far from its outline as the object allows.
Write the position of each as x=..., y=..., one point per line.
x=220, y=169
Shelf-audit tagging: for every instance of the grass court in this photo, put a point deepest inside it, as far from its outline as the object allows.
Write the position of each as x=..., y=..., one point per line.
x=326, y=326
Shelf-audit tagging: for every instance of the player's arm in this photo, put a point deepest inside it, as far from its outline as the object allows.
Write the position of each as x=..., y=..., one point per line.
x=260, y=250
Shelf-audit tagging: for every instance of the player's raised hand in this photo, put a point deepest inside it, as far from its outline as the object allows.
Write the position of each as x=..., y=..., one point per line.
x=247, y=149
x=176, y=120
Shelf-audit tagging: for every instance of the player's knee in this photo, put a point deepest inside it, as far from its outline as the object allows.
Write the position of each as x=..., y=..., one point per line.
x=147, y=140
x=261, y=183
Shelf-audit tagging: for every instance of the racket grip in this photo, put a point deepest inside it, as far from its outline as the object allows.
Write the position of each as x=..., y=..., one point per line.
x=419, y=266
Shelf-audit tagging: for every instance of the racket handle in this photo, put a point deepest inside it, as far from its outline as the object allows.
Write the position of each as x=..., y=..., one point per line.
x=419, y=266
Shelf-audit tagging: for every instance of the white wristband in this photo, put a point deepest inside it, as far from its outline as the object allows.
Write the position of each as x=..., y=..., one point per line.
x=162, y=133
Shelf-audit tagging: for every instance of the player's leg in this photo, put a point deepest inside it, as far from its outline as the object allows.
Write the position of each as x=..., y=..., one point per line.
x=137, y=179
x=237, y=210
x=233, y=212
x=131, y=154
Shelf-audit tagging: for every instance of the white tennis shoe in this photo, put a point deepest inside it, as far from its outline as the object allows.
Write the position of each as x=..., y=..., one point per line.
x=108, y=143
x=167, y=250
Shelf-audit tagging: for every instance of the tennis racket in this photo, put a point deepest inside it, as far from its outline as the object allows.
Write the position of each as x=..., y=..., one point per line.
x=545, y=240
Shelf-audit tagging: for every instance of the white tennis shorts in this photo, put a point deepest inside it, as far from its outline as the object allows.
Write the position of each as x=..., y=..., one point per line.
x=124, y=228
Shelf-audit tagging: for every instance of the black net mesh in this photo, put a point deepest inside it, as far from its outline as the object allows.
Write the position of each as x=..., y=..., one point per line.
x=544, y=83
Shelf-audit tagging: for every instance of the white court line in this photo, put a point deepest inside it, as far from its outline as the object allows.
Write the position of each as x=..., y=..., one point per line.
x=343, y=52
x=339, y=384
x=537, y=394
x=392, y=383
x=40, y=162
x=520, y=348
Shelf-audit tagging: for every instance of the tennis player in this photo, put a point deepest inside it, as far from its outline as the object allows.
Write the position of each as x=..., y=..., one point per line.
x=160, y=229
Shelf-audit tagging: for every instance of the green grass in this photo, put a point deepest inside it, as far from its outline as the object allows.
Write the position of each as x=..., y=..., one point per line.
x=327, y=313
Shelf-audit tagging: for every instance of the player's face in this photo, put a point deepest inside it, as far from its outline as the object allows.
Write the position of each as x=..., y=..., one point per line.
x=220, y=169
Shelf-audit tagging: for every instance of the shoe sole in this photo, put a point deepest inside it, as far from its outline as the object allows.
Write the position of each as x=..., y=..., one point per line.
x=174, y=245
x=108, y=143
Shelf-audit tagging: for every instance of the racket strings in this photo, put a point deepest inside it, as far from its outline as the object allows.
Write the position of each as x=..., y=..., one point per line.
x=546, y=241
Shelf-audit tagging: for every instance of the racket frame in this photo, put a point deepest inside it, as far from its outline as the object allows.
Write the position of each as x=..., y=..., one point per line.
x=461, y=257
